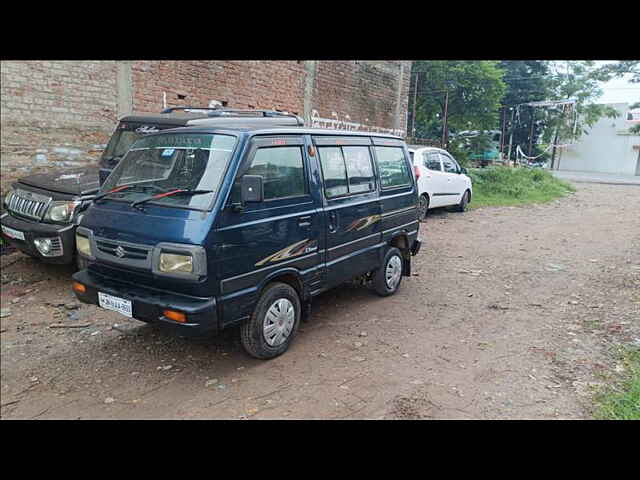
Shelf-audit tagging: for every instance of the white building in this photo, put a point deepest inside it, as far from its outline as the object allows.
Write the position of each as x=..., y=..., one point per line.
x=607, y=148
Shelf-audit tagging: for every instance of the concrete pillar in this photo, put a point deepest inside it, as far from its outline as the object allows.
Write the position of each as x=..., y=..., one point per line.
x=124, y=88
x=311, y=67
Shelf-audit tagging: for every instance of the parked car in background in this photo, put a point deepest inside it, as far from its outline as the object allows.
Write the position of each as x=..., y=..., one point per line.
x=441, y=180
x=227, y=224
x=43, y=210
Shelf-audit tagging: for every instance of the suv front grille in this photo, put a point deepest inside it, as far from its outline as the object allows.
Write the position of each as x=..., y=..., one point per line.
x=28, y=204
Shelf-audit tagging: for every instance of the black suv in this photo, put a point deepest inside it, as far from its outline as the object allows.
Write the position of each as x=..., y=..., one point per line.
x=43, y=210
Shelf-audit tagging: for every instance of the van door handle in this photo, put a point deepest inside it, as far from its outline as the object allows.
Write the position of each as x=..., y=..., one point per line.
x=304, y=221
x=333, y=222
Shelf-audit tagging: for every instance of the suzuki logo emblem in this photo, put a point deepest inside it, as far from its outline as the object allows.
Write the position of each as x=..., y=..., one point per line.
x=120, y=252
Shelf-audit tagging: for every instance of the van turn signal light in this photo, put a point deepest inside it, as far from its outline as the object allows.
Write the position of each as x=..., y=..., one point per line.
x=78, y=287
x=175, y=316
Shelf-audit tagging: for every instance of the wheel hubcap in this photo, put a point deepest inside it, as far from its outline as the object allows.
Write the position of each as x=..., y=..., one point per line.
x=278, y=322
x=393, y=272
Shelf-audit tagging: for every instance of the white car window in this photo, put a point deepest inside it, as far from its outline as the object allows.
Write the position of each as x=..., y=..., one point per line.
x=432, y=161
x=448, y=164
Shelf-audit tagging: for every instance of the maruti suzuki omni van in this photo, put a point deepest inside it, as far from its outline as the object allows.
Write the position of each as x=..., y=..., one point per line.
x=207, y=227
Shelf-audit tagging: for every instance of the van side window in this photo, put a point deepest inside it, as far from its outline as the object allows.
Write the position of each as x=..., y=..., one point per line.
x=334, y=171
x=359, y=169
x=392, y=166
x=282, y=169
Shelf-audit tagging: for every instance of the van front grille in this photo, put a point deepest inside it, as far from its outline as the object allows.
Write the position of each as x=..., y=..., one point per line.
x=28, y=204
x=122, y=251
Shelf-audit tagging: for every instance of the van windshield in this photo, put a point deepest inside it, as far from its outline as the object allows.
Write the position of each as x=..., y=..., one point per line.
x=166, y=162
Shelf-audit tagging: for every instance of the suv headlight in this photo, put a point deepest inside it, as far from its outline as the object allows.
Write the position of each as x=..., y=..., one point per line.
x=7, y=197
x=61, y=211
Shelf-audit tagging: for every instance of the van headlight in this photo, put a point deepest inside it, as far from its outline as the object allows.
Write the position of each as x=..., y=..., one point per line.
x=171, y=262
x=179, y=260
x=83, y=245
x=61, y=211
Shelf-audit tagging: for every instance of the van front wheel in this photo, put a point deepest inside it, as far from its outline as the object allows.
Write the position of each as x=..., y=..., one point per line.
x=274, y=322
x=386, y=280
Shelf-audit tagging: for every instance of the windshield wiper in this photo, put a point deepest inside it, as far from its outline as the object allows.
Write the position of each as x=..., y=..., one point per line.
x=124, y=187
x=169, y=193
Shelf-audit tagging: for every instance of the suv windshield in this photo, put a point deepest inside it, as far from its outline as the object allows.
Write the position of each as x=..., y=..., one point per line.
x=166, y=162
x=119, y=143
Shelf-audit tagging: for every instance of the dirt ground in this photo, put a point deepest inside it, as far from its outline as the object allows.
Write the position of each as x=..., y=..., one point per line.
x=511, y=313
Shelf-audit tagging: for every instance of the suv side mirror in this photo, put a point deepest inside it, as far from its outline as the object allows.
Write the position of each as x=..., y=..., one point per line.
x=252, y=189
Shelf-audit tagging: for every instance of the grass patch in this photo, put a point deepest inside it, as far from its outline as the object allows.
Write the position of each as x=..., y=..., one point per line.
x=622, y=402
x=503, y=186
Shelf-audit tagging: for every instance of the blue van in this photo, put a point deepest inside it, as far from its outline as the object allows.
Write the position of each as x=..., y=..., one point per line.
x=212, y=226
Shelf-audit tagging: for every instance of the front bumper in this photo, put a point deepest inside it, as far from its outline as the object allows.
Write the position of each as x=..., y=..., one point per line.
x=148, y=303
x=32, y=230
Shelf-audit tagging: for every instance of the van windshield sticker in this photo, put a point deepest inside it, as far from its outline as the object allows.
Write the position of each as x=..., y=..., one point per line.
x=175, y=141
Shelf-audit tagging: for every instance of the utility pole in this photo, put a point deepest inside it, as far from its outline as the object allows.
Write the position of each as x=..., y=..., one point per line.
x=445, y=136
x=511, y=135
x=504, y=119
x=413, y=120
x=531, y=131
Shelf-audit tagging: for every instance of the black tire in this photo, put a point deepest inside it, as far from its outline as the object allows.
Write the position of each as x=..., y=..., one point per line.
x=380, y=284
x=252, y=336
x=464, y=201
x=423, y=206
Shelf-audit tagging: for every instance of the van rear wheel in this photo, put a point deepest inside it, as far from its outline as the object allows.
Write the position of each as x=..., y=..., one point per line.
x=274, y=322
x=386, y=280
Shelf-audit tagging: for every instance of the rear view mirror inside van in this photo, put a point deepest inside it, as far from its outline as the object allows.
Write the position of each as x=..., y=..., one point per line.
x=252, y=188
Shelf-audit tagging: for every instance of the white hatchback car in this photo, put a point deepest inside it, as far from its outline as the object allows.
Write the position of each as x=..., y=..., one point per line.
x=441, y=181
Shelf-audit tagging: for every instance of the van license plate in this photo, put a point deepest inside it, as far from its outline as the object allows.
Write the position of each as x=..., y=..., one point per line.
x=116, y=304
x=10, y=232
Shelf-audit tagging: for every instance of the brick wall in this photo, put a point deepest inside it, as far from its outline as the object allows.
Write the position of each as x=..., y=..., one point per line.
x=54, y=113
x=240, y=84
x=60, y=113
x=362, y=91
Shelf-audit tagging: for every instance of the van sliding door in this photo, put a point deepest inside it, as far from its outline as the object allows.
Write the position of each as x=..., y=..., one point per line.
x=351, y=207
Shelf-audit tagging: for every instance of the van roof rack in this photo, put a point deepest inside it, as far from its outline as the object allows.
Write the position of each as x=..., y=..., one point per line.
x=236, y=112
x=185, y=108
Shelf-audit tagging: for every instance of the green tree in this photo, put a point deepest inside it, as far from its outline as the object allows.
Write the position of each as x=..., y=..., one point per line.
x=470, y=91
x=527, y=81
x=573, y=80
x=618, y=69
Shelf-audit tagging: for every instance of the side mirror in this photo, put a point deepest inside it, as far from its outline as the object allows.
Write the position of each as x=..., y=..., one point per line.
x=463, y=170
x=252, y=189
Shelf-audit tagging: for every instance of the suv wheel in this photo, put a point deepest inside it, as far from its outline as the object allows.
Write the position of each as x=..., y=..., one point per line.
x=388, y=277
x=274, y=322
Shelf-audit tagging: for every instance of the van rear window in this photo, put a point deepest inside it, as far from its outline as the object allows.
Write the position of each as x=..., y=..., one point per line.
x=393, y=168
